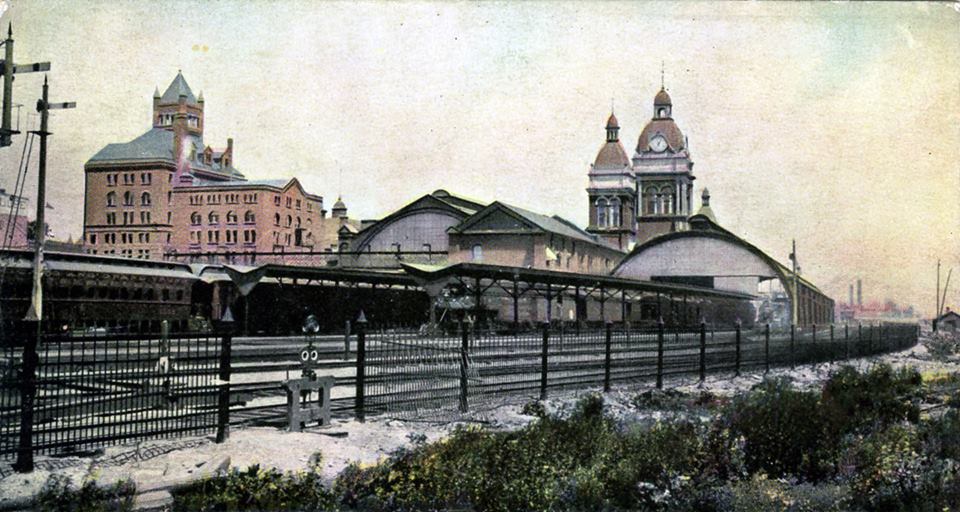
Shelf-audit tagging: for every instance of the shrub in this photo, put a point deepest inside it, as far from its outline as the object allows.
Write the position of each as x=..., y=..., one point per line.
x=890, y=471
x=761, y=494
x=58, y=494
x=781, y=429
x=255, y=489
x=862, y=402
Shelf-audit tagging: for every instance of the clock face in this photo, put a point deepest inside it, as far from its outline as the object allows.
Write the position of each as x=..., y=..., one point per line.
x=658, y=143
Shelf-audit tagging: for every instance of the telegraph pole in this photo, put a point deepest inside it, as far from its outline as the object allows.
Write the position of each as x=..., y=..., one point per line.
x=9, y=68
x=936, y=310
x=24, y=462
x=793, y=303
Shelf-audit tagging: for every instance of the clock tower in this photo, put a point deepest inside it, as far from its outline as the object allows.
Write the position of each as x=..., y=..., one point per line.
x=663, y=173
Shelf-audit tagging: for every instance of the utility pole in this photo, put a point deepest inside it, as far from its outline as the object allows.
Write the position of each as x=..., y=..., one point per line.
x=8, y=69
x=794, y=317
x=24, y=462
x=936, y=309
x=43, y=106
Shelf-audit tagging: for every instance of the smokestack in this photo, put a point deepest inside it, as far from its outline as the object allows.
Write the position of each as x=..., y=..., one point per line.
x=859, y=293
x=851, y=296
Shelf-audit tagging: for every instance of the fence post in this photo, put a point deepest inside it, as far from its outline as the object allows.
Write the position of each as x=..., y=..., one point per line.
x=870, y=340
x=860, y=337
x=28, y=392
x=703, y=351
x=736, y=360
x=766, y=348
x=813, y=343
x=846, y=340
x=223, y=400
x=464, y=343
x=361, y=366
x=346, y=341
x=607, y=357
x=660, y=353
x=543, y=361
x=793, y=348
x=830, y=346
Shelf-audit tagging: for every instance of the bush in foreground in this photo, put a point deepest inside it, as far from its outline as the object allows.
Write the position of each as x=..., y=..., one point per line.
x=59, y=494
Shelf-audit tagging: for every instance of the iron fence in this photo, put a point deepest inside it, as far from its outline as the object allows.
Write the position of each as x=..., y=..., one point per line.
x=76, y=391
x=409, y=374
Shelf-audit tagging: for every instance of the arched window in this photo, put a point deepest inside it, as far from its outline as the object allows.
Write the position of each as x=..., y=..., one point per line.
x=145, y=199
x=667, y=194
x=231, y=217
x=195, y=218
x=298, y=222
x=615, y=212
x=289, y=221
x=477, y=252
x=213, y=218
x=128, y=198
x=111, y=199
x=249, y=217
x=601, y=212
x=651, y=197
x=276, y=219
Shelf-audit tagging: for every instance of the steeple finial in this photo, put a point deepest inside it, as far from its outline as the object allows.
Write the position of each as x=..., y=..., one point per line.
x=662, y=88
x=156, y=92
x=10, y=30
x=611, y=106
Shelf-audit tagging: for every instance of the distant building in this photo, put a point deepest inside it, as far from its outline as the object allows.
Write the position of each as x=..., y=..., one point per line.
x=13, y=220
x=949, y=322
x=168, y=193
x=632, y=201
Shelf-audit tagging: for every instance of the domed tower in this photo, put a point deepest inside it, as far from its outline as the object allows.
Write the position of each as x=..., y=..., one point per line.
x=664, y=173
x=339, y=210
x=612, y=192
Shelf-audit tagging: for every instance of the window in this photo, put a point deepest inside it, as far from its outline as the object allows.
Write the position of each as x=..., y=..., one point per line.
x=289, y=221
x=93, y=238
x=298, y=222
x=145, y=199
x=276, y=219
x=477, y=253
x=248, y=217
x=127, y=198
x=666, y=200
x=111, y=199
x=298, y=204
x=231, y=217
x=111, y=180
x=615, y=212
x=651, y=197
x=213, y=218
x=276, y=200
x=145, y=217
x=601, y=212
x=195, y=218
x=193, y=152
x=145, y=178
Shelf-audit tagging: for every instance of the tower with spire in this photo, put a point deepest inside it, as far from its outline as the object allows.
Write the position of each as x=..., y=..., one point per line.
x=612, y=198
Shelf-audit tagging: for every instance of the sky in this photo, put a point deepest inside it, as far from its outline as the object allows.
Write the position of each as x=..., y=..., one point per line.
x=835, y=124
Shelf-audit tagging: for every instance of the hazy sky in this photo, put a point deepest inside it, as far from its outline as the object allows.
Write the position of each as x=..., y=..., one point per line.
x=836, y=124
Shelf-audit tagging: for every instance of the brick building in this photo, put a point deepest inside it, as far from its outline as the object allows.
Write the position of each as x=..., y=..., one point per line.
x=167, y=193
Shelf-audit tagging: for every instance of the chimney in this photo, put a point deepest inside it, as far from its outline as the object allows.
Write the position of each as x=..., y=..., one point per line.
x=859, y=293
x=230, y=146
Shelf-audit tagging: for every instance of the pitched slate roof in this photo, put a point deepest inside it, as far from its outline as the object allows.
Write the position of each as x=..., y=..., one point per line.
x=177, y=87
x=156, y=144
x=555, y=224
